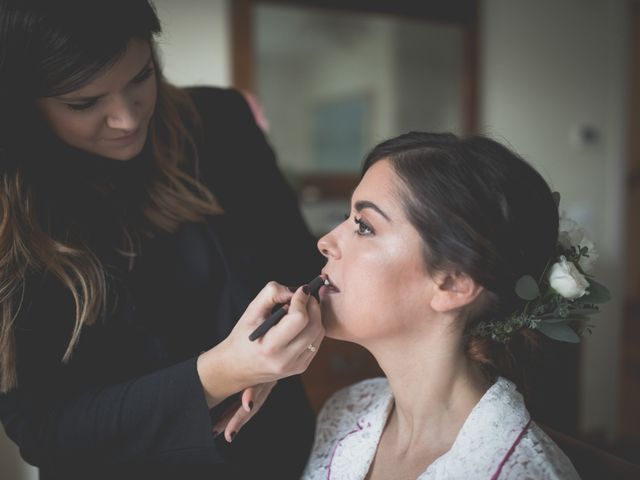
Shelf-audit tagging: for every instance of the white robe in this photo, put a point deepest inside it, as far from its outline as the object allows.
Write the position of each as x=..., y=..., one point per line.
x=497, y=441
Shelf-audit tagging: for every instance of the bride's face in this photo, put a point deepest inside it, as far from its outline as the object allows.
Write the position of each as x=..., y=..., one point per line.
x=375, y=263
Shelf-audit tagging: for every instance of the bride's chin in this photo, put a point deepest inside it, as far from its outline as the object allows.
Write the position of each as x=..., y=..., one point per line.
x=329, y=324
x=333, y=331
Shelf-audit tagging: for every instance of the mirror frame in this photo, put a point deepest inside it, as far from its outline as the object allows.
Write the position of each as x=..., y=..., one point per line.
x=461, y=13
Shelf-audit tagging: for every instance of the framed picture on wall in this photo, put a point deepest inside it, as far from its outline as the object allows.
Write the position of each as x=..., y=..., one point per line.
x=340, y=132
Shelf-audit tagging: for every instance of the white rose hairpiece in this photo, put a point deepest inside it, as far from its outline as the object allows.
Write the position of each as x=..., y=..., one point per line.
x=561, y=301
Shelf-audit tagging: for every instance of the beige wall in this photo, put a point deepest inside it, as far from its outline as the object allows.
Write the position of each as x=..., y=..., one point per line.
x=549, y=67
x=195, y=44
x=12, y=467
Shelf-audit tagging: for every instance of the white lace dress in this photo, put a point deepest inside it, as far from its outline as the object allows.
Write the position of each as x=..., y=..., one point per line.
x=497, y=441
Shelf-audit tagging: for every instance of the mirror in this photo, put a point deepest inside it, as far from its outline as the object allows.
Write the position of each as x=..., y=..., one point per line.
x=333, y=82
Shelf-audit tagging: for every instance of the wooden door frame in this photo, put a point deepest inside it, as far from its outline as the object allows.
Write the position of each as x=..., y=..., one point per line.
x=629, y=417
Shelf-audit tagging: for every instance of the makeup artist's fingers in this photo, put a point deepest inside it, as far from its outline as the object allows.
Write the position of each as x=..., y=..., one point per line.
x=314, y=330
x=298, y=320
x=253, y=396
x=307, y=354
x=242, y=416
x=271, y=356
x=224, y=419
x=280, y=348
x=248, y=398
x=261, y=306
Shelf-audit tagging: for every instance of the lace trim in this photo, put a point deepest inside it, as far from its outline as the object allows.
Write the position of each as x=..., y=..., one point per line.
x=511, y=450
x=337, y=445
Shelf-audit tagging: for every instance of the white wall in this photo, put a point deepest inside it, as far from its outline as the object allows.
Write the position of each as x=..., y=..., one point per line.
x=195, y=45
x=547, y=67
x=428, y=74
x=12, y=467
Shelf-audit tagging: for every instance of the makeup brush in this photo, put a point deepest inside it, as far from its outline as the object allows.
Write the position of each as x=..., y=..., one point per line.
x=313, y=286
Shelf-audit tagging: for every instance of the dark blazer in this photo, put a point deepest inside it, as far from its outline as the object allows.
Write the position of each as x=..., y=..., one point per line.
x=130, y=397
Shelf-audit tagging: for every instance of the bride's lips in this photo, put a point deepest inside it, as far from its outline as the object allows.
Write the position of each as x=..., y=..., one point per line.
x=331, y=288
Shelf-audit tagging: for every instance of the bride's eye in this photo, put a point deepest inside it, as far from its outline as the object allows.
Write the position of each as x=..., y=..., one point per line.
x=363, y=228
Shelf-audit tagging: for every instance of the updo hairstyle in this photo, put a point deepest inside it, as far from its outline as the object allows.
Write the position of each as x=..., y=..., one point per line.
x=483, y=211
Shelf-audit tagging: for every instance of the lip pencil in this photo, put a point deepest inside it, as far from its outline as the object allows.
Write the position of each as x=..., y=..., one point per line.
x=313, y=286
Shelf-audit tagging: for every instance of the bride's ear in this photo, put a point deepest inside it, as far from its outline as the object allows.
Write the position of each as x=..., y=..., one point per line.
x=454, y=291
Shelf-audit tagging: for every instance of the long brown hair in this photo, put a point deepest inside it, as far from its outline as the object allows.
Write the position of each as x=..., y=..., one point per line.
x=172, y=194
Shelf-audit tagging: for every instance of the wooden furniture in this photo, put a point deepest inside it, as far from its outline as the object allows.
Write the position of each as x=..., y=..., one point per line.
x=629, y=413
x=591, y=462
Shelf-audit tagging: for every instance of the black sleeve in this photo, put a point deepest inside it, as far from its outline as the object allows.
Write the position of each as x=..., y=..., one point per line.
x=68, y=425
x=60, y=416
x=239, y=166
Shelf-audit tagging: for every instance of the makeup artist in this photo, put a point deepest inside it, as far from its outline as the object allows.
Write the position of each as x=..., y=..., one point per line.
x=139, y=224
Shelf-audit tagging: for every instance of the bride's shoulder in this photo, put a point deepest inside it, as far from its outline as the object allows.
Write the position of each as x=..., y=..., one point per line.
x=538, y=456
x=357, y=399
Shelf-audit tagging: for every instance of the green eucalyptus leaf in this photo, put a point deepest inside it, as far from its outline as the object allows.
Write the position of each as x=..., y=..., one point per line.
x=527, y=288
x=556, y=198
x=583, y=311
x=555, y=320
x=559, y=331
x=569, y=318
x=598, y=293
x=577, y=316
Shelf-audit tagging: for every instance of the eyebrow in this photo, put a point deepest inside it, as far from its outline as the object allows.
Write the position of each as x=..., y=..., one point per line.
x=96, y=97
x=362, y=204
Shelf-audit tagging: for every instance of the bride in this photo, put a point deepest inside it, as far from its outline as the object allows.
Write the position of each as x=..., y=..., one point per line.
x=424, y=272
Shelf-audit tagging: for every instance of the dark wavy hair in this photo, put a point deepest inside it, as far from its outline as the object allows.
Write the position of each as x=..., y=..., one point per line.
x=49, y=48
x=483, y=211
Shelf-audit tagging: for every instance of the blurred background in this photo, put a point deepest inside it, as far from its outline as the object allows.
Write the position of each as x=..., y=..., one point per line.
x=556, y=80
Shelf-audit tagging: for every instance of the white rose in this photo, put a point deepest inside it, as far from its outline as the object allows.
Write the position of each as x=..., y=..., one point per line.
x=572, y=235
x=565, y=279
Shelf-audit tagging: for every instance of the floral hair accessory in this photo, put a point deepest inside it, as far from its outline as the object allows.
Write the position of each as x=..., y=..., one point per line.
x=560, y=302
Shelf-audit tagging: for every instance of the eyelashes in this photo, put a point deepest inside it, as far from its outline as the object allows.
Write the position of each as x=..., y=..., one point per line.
x=81, y=106
x=364, y=229
x=144, y=75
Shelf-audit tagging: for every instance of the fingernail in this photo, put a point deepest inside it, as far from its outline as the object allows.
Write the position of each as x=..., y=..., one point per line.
x=233, y=435
x=305, y=289
x=251, y=405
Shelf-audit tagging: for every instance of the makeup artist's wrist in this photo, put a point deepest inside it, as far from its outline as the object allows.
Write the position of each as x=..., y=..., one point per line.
x=217, y=375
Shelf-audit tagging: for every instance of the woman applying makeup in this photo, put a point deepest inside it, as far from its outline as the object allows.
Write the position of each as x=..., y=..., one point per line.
x=440, y=231
x=137, y=223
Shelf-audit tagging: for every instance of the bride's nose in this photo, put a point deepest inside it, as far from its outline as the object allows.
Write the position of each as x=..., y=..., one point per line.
x=328, y=245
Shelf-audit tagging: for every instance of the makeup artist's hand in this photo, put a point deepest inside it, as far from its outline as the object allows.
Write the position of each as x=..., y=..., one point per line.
x=237, y=363
x=237, y=415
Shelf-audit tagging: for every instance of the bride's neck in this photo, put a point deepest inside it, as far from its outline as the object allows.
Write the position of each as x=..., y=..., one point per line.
x=434, y=384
